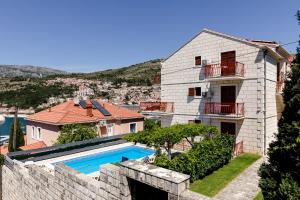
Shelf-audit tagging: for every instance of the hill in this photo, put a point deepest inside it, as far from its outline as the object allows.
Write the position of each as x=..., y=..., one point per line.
x=137, y=74
x=27, y=71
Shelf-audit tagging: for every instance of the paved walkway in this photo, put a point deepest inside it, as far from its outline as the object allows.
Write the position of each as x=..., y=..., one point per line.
x=243, y=187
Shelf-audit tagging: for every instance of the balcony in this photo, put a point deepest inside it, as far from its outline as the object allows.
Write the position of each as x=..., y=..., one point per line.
x=280, y=83
x=225, y=110
x=214, y=72
x=160, y=107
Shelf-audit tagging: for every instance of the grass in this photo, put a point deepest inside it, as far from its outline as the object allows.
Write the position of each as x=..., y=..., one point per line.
x=213, y=183
x=259, y=196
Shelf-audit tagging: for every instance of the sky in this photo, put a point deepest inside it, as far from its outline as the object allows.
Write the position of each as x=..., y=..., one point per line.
x=93, y=35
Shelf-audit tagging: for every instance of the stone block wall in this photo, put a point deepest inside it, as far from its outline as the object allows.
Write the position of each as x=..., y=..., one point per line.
x=32, y=182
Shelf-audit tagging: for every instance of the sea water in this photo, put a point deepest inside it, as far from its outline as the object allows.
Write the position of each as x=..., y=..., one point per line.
x=5, y=128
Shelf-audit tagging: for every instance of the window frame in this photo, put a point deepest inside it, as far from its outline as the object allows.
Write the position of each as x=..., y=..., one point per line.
x=135, y=127
x=39, y=133
x=199, y=95
x=32, y=132
x=197, y=62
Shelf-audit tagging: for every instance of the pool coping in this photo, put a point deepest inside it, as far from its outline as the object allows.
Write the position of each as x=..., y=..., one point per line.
x=49, y=163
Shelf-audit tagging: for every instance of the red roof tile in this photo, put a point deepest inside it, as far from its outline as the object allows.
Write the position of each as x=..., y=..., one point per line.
x=32, y=146
x=68, y=112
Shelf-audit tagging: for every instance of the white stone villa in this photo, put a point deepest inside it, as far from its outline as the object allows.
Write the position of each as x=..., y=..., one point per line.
x=232, y=83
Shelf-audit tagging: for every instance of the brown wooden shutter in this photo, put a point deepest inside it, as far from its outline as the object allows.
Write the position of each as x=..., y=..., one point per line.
x=191, y=92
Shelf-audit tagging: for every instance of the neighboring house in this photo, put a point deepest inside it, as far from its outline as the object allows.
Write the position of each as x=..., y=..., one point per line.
x=84, y=91
x=232, y=83
x=109, y=119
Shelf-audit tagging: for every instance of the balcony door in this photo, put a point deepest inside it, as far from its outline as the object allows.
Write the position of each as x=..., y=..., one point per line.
x=228, y=63
x=228, y=99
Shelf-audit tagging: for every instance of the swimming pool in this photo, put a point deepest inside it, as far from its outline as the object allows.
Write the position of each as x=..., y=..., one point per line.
x=91, y=163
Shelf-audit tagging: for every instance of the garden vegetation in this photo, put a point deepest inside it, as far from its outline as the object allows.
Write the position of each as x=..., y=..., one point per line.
x=76, y=132
x=211, y=151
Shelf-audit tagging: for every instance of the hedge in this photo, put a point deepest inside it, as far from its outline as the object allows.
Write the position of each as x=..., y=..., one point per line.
x=204, y=157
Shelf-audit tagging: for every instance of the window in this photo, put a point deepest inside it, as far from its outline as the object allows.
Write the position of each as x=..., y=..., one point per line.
x=39, y=135
x=32, y=132
x=110, y=129
x=198, y=60
x=194, y=91
x=198, y=91
x=195, y=121
x=191, y=92
x=132, y=128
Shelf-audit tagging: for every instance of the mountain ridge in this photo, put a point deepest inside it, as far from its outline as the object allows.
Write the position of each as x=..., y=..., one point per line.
x=27, y=71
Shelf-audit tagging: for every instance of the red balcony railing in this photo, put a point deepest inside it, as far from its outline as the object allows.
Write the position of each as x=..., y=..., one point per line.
x=217, y=70
x=280, y=83
x=157, y=106
x=224, y=108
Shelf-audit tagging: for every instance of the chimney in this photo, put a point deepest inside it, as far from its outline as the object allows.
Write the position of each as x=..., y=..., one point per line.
x=49, y=109
x=89, y=108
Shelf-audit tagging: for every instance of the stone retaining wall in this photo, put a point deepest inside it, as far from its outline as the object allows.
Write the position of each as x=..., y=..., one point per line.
x=32, y=182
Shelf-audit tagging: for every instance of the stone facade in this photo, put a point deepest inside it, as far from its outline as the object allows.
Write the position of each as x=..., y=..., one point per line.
x=179, y=73
x=33, y=182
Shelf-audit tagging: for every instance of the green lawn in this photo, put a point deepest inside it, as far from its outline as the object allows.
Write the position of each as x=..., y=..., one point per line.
x=213, y=183
x=259, y=196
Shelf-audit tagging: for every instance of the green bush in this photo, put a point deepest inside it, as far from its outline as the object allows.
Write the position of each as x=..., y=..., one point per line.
x=204, y=158
x=1, y=159
x=76, y=132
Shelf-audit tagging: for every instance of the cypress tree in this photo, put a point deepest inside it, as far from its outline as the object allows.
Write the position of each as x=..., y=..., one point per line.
x=19, y=137
x=280, y=176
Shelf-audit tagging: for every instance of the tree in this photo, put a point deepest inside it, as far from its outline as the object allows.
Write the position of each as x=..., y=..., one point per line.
x=280, y=176
x=151, y=124
x=76, y=132
x=167, y=137
x=19, y=137
x=190, y=131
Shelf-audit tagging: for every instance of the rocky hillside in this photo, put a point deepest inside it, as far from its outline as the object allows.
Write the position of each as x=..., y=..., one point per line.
x=27, y=71
x=137, y=74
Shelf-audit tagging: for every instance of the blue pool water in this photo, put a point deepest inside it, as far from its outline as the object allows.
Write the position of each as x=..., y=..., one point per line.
x=89, y=164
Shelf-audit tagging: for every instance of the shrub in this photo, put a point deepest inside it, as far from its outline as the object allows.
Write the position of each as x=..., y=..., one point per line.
x=1, y=159
x=204, y=157
x=76, y=132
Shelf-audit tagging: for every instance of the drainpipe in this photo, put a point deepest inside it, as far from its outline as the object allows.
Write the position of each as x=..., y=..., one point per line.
x=265, y=103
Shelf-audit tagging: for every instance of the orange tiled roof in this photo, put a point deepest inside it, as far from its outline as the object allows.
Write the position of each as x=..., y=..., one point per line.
x=4, y=149
x=68, y=113
x=32, y=146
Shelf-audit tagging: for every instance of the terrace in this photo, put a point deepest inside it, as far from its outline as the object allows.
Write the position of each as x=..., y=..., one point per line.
x=160, y=107
x=218, y=72
x=225, y=110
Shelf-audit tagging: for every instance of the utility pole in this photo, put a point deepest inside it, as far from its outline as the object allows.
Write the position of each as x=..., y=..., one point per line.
x=15, y=128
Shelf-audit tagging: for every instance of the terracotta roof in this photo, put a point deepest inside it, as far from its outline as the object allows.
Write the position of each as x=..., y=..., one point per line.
x=32, y=146
x=68, y=113
x=4, y=149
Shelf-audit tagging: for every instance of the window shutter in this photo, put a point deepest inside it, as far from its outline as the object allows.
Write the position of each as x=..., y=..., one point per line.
x=191, y=92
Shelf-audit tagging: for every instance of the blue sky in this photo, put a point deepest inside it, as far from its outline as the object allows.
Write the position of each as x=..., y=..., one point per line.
x=91, y=35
